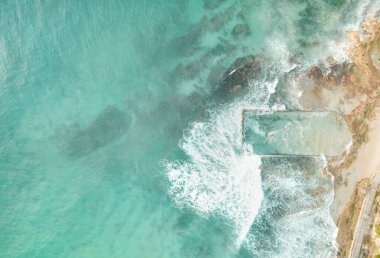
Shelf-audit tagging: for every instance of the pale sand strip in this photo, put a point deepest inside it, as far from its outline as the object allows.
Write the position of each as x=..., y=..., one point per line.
x=365, y=165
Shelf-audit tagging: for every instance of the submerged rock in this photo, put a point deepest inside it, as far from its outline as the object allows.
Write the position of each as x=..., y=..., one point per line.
x=220, y=20
x=212, y=4
x=185, y=72
x=186, y=45
x=110, y=124
x=237, y=77
x=241, y=30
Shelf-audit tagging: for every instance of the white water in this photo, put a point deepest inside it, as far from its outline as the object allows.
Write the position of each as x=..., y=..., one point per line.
x=223, y=178
x=220, y=178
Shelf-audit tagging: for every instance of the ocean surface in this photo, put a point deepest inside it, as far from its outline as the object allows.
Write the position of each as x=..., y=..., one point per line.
x=120, y=132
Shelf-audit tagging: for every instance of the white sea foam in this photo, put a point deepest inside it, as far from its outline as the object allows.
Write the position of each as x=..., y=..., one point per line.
x=338, y=48
x=222, y=177
x=305, y=228
x=219, y=178
x=302, y=235
x=278, y=50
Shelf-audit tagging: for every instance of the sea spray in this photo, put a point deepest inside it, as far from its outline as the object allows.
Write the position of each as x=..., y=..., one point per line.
x=219, y=178
x=63, y=63
x=222, y=177
x=294, y=219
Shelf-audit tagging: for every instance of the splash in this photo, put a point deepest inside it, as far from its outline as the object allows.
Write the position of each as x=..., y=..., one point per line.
x=271, y=208
x=294, y=220
x=219, y=178
x=222, y=176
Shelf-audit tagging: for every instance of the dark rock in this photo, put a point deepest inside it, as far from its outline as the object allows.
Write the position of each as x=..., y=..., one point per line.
x=237, y=77
x=110, y=124
x=336, y=72
x=339, y=70
x=315, y=72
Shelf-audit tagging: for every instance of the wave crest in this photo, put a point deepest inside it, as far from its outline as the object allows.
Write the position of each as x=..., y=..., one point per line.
x=221, y=177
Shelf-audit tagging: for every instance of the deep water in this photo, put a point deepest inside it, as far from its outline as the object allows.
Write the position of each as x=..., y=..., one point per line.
x=120, y=128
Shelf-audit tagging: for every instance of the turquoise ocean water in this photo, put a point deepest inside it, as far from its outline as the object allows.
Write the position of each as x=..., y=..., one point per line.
x=117, y=140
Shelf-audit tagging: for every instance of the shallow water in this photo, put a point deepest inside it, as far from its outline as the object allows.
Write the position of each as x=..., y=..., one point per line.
x=296, y=133
x=114, y=143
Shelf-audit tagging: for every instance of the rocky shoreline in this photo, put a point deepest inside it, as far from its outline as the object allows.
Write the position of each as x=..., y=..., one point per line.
x=354, y=90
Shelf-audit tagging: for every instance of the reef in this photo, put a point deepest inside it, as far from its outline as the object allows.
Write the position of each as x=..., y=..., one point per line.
x=236, y=79
x=241, y=30
x=109, y=125
x=213, y=4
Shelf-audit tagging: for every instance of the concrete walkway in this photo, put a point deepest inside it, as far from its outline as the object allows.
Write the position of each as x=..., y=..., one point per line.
x=365, y=218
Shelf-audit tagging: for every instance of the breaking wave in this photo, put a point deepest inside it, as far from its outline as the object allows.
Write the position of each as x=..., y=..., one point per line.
x=279, y=208
x=222, y=175
x=219, y=178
